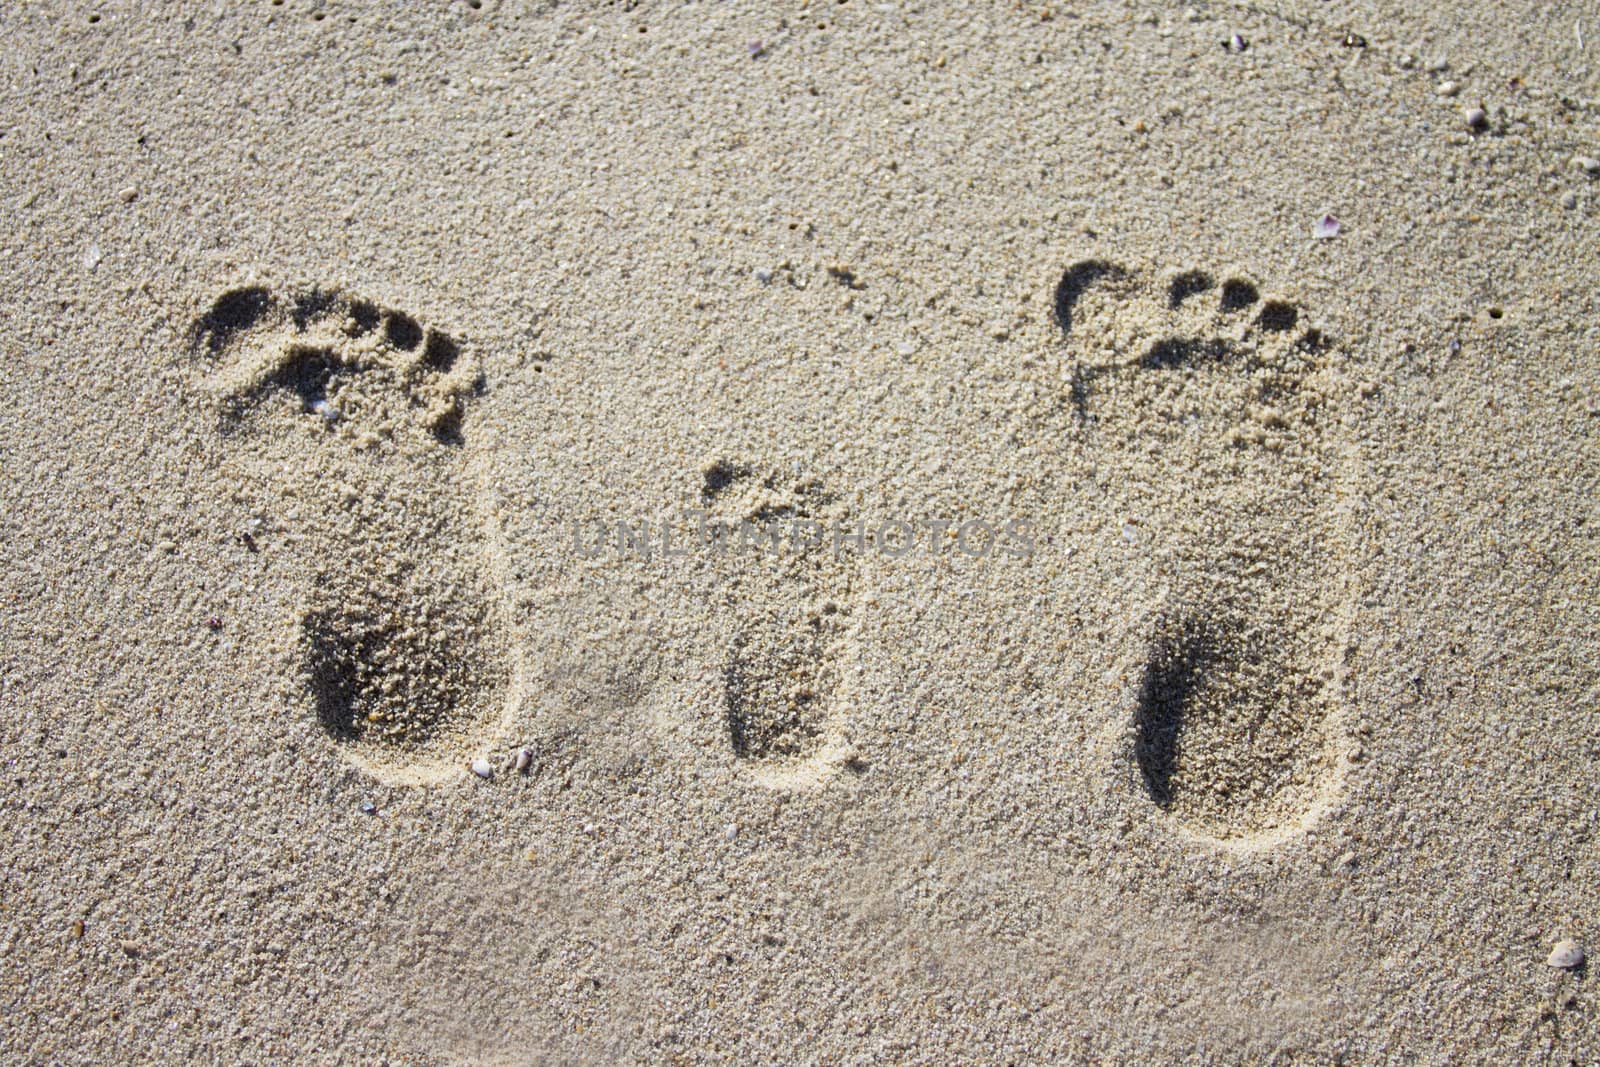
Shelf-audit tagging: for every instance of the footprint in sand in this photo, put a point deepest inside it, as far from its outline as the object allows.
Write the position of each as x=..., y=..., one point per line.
x=346, y=422
x=1215, y=409
x=788, y=596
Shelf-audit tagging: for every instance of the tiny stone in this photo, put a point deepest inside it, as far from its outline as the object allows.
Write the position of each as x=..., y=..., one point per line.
x=1237, y=44
x=326, y=410
x=1477, y=119
x=128, y=195
x=1449, y=88
x=1588, y=164
x=1438, y=66
x=730, y=831
x=482, y=768
x=1347, y=861
x=1407, y=62
x=1567, y=954
x=1569, y=199
x=92, y=257
x=368, y=808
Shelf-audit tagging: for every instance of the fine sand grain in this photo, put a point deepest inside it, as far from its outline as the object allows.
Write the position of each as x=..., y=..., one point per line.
x=850, y=533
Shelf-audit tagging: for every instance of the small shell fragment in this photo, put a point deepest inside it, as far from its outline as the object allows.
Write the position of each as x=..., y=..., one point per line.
x=482, y=768
x=1567, y=954
x=1325, y=227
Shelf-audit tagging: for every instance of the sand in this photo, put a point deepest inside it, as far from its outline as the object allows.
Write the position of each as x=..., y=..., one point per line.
x=1158, y=635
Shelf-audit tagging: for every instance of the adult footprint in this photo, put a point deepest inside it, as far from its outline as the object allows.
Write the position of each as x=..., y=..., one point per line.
x=346, y=419
x=788, y=591
x=1214, y=407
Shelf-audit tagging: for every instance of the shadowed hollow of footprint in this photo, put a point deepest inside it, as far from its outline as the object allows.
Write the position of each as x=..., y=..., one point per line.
x=781, y=676
x=358, y=367
x=1208, y=408
x=1189, y=322
x=346, y=419
x=776, y=686
x=1221, y=725
x=395, y=673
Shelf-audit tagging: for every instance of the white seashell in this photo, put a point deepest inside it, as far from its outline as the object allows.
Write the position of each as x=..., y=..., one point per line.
x=1567, y=955
x=482, y=768
x=524, y=760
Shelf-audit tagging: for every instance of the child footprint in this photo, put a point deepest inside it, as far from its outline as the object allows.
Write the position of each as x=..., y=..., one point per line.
x=783, y=684
x=1213, y=406
x=347, y=418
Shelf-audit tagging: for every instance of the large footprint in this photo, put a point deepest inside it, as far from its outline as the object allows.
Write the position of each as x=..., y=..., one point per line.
x=347, y=419
x=784, y=679
x=1215, y=407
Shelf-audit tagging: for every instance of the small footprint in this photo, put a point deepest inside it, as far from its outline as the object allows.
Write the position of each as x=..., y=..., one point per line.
x=346, y=417
x=1214, y=406
x=783, y=677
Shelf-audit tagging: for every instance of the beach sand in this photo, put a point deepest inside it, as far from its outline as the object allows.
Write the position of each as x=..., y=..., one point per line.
x=1213, y=677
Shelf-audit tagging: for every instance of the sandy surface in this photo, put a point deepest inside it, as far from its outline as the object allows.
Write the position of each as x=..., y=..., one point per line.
x=324, y=328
